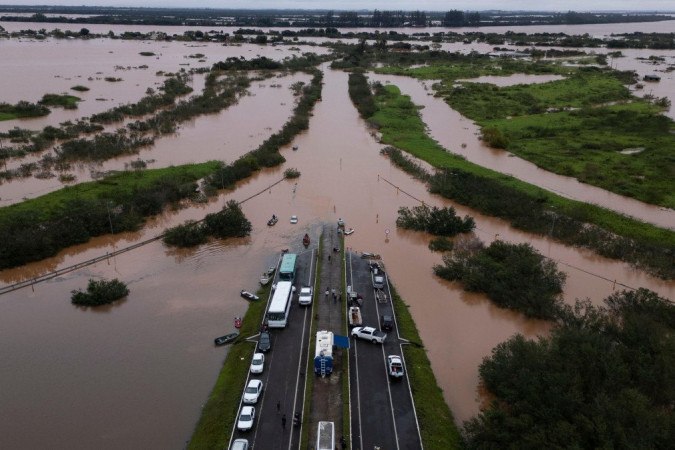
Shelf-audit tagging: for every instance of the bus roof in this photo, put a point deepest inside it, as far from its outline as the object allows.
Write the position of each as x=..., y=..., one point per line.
x=288, y=262
x=324, y=343
x=280, y=297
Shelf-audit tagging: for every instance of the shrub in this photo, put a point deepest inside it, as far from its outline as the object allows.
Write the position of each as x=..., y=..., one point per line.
x=514, y=276
x=100, y=292
x=437, y=221
x=230, y=222
x=291, y=173
x=188, y=234
x=80, y=88
x=441, y=244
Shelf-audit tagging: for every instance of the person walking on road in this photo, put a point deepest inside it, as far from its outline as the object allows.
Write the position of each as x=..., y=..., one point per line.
x=327, y=292
x=278, y=406
x=283, y=421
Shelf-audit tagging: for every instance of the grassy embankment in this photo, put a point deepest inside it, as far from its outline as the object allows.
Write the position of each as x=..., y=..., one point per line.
x=401, y=126
x=436, y=422
x=219, y=414
x=583, y=133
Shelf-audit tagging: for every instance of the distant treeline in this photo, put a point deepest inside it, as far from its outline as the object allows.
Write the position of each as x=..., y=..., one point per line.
x=315, y=18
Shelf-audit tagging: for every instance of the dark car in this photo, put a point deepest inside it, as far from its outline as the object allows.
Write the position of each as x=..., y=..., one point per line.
x=265, y=342
x=386, y=322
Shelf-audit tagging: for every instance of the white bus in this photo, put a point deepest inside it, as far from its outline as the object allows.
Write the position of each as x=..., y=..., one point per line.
x=277, y=313
x=325, y=436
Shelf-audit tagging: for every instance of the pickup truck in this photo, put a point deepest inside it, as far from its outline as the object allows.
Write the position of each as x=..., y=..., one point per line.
x=369, y=334
x=394, y=366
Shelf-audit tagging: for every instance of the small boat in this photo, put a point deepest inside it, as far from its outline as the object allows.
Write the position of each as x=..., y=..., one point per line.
x=227, y=339
x=341, y=223
x=237, y=322
x=267, y=276
x=348, y=232
x=295, y=147
x=273, y=221
x=305, y=240
x=249, y=296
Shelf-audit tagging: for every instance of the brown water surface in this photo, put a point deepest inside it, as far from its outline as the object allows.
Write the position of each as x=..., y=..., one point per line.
x=135, y=375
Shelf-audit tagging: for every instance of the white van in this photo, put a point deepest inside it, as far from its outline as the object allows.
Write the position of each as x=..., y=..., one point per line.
x=325, y=436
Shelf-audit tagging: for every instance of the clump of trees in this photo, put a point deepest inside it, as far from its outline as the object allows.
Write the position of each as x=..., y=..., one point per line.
x=514, y=276
x=80, y=88
x=441, y=244
x=434, y=220
x=361, y=95
x=291, y=172
x=229, y=222
x=604, y=378
x=100, y=292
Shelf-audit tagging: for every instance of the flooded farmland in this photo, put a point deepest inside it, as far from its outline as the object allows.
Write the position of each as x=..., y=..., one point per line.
x=136, y=374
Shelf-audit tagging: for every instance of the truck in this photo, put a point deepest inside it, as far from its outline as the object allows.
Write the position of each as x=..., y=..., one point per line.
x=370, y=334
x=323, y=356
x=355, y=316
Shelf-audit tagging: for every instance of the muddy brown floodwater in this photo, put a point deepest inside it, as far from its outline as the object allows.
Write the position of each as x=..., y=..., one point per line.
x=135, y=375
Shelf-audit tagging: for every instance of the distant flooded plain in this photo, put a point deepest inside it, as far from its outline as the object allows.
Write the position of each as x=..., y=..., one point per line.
x=135, y=374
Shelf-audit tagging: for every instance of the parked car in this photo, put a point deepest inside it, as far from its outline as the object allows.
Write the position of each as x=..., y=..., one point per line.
x=386, y=322
x=257, y=363
x=305, y=296
x=252, y=392
x=240, y=444
x=265, y=342
x=394, y=366
x=378, y=281
x=369, y=334
x=294, y=219
x=246, y=418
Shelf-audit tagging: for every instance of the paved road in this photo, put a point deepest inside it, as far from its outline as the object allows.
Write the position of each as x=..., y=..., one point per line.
x=382, y=409
x=283, y=377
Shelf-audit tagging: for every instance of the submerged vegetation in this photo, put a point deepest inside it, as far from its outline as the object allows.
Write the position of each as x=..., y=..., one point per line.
x=603, y=379
x=514, y=276
x=60, y=100
x=22, y=109
x=583, y=126
x=100, y=292
x=229, y=222
x=434, y=220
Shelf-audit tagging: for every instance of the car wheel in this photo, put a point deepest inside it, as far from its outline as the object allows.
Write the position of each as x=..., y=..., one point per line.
x=374, y=341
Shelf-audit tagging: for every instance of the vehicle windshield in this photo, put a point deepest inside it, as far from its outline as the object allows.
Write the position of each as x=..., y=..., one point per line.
x=257, y=361
x=245, y=417
x=251, y=390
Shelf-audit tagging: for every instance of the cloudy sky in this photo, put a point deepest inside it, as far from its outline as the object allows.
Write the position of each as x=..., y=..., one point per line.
x=428, y=5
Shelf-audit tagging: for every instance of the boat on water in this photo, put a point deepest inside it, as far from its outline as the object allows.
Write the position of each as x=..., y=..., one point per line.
x=273, y=221
x=295, y=147
x=249, y=295
x=227, y=339
x=348, y=232
x=267, y=276
x=341, y=223
x=306, y=240
x=237, y=322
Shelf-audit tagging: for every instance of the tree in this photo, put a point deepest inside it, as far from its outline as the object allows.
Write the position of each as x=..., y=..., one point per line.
x=84, y=32
x=454, y=18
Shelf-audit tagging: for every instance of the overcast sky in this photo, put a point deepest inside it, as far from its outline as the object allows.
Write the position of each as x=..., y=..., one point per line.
x=428, y=5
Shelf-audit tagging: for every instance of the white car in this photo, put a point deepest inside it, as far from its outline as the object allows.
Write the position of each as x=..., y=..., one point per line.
x=294, y=219
x=246, y=418
x=305, y=296
x=395, y=366
x=240, y=444
x=258, y=363
x=253, y=391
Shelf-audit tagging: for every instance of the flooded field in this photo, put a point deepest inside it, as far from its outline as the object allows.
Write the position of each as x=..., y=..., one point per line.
x=135, y=375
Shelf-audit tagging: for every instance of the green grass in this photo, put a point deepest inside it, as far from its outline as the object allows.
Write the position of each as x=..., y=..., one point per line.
x=214, y=427
x=65, y=101
x=437, y=424
x=119, y=185
x=7, y=116
x=401, y=126
x=584, y=143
